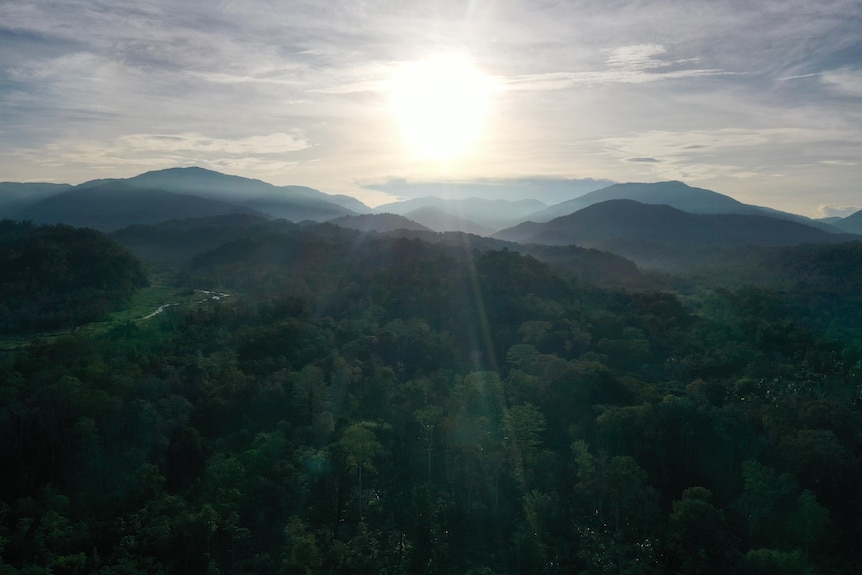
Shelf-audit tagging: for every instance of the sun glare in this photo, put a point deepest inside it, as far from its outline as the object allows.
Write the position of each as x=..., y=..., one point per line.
x=441, y=104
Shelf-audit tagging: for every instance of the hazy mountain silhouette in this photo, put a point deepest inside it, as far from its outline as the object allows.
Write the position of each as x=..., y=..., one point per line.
x=15, y=196
x=675, y=194
x=155, y=196
x=478, y=213
x=113, y=205
x=378, y=223
x=441, y=220
x=295, y=203
x=196, y=192
x=212, y=184
x=851, y=224
x=610, y=223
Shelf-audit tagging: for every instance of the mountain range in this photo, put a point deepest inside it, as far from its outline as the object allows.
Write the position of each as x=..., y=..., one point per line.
x=675, y=194
x=473, y=215
x=631, y=219
x=658, y=235
x=110, y=204
x=598, y=224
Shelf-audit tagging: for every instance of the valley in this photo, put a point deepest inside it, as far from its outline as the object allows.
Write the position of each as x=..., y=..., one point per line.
x=628, y=387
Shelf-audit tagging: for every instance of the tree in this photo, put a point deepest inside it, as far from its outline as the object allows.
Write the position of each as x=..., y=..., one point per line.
x=310, y=391
x=524, y=425
x=427, y=418
x=762, y=493
x=360, y=444
x=809, y=520
x=700, y=542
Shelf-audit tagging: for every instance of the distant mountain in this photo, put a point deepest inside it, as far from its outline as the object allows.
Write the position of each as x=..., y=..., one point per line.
x=851, y=224
x=675, y=194
x=15, y=196
x=488, y=214
x=549, y=190
x=113, y=205
x=830, y=220
x=441, y=220
x=378, y=223
x=199, y=181
x=616, y=224
x=216, y=194
x=278, y=201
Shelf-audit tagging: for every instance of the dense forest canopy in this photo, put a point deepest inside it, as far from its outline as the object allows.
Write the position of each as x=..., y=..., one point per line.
x=374, y=403
x=60, y=277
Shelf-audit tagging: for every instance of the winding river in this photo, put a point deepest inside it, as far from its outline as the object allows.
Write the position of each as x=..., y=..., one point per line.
x=211, y=296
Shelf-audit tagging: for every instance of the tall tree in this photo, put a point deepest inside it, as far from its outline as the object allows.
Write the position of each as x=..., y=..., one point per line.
x=360, y=445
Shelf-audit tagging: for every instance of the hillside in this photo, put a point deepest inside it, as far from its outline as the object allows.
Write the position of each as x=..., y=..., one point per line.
x=15, y=196
x=174, y=242
x=58, y=277
x=381, y=222
x=355, y=382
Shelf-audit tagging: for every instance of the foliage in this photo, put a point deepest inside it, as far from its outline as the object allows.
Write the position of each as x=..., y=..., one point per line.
x=382, y=404
x=57, y=277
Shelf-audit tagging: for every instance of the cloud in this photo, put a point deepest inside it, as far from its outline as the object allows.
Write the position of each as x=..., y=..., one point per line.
x=636, y=64
x=709, y=142
x=271, y=154
x=732, y=153
x=637, y=57
x=845, y=81
x=642, y=160
x=799, y=77
x=190, y=143
x=825, y=211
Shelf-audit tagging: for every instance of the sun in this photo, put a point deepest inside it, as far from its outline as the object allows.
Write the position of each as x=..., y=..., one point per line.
x=441, y=104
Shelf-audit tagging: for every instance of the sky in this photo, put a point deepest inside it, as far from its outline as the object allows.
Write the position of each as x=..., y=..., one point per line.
x=386, y=99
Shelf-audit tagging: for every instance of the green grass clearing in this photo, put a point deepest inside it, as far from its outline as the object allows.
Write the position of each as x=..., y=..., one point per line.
x=139, y=310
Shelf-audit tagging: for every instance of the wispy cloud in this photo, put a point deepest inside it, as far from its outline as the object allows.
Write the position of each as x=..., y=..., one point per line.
x=846, y=81
x=635, y=64
x=277, y=143
x=267, y=154
x=692, y=153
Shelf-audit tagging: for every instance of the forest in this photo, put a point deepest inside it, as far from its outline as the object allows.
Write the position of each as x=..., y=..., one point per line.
x=408, y=403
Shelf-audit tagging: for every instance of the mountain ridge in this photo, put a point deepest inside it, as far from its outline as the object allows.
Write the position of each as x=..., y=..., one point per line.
x=111, y=206
x=381, y=223
x=644, y=231
x=673, y=193
x=478, y=213
x=238, y=194
x=112, y=203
